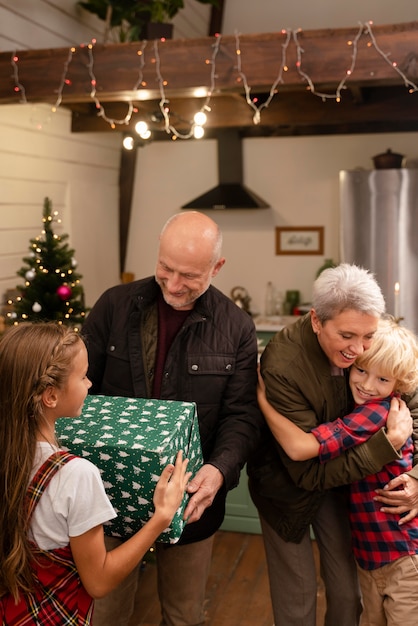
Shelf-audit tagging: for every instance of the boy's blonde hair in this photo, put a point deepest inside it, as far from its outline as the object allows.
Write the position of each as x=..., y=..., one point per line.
x=394, y=353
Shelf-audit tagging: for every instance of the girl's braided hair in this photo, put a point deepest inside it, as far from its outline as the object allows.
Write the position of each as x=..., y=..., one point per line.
x=32, y=358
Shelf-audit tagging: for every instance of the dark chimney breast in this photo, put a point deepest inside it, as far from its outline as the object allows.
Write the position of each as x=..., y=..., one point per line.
x=230, y=193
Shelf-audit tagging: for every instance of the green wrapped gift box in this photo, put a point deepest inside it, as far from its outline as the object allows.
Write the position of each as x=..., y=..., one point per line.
x=131, y=440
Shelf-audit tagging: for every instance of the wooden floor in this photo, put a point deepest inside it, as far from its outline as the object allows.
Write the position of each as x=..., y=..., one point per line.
x=237, y=591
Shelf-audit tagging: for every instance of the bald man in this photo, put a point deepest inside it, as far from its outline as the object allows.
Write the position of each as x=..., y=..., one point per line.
x=175, y=336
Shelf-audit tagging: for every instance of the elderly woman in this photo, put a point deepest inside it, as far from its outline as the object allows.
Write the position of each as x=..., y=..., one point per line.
x=305, y=368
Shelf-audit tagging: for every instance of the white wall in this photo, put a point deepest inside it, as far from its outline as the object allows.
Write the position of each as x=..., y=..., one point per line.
x=246, y=16
x=27, y=24
x=79, y=173
x=298, y=176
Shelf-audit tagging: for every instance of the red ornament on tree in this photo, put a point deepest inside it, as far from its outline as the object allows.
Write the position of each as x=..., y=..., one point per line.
x=64, y=292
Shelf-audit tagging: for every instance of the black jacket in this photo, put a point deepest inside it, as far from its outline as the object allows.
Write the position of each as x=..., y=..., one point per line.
x=212, y=362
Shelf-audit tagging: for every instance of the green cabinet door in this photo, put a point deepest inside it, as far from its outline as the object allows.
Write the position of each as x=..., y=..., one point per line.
x=241, y=514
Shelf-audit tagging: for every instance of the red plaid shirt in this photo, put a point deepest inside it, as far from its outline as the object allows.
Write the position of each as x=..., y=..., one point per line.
x=59, y=598
x=377, y=537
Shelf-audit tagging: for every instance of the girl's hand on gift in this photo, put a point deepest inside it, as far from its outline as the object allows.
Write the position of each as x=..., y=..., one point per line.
x=204, y=487
x=170, y=489
x=100, y=570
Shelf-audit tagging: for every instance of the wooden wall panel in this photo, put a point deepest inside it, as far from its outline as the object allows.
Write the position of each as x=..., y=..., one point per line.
x=80, y=175
x=26, y=24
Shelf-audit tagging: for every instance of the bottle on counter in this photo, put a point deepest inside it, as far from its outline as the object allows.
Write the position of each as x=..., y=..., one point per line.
x=270, y=305
x=278, y=303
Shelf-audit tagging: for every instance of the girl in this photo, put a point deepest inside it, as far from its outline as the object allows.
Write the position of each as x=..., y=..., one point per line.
x=385, y=545
x=53, y=560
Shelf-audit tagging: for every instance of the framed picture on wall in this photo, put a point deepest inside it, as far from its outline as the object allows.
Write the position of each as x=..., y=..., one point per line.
x=299, y=240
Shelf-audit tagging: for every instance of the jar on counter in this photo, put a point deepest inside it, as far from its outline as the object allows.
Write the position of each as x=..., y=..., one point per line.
x=291, y=302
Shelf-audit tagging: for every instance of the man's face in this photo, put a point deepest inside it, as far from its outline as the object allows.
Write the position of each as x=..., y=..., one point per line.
x=184, y=277
x=346, y=336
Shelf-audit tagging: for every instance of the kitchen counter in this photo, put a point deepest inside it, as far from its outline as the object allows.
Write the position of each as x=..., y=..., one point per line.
x=268, y=326
x=273, y=323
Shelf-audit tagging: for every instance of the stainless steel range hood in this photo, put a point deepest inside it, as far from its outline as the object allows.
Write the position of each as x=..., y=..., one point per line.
x=230, y=193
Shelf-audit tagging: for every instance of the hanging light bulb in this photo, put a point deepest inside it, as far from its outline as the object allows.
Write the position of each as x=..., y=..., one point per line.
x=128, y=143
x=198, y=131
x=146, y=135
x=141, y=128
x=200, y=118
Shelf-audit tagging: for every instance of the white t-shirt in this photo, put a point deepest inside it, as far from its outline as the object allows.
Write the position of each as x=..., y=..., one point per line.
x=74, y=502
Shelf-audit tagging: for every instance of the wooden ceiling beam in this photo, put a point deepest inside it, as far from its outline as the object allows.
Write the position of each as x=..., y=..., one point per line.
x=301, y=109
x=184, y=65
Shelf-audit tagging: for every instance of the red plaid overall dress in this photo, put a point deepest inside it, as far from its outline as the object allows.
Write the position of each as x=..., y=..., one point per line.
x=59, y=598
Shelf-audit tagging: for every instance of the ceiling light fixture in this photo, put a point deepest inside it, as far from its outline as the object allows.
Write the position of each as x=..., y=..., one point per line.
x=198, y=131
x=200, y=118
x=128, y=143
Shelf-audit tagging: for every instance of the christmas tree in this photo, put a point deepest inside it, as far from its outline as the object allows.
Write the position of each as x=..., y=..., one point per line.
x=52, y=289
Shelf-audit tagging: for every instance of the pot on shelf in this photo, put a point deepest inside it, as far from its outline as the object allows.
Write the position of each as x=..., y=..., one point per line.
x=388, y=160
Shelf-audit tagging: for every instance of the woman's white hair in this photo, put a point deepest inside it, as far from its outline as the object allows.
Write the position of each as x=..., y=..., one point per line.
x=346, y=287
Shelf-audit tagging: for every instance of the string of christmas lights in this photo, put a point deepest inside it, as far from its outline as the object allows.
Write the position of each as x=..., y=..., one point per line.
x=64, y=79
x=341, y=85
x=364, y=29
x=18, y=88
x=273, y=90
x=408, y=83
x=93, y=93
x=196, y=126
